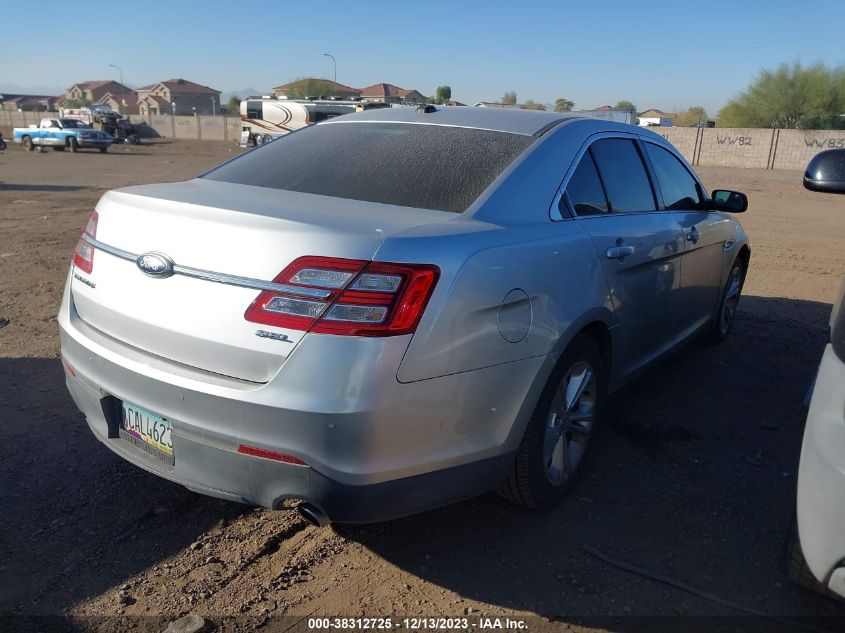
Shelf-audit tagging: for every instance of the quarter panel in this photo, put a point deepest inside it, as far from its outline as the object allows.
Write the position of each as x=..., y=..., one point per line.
x=554, y=264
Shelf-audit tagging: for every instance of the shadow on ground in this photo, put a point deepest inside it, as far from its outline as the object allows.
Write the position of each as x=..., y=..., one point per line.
x=693, y=478
x=88, y=519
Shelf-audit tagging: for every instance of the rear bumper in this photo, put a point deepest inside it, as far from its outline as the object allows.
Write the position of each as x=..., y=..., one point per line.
x=376, y=448
x=821, y=476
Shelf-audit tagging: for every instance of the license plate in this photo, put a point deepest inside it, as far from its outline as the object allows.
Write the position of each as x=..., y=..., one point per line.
x=147, y=430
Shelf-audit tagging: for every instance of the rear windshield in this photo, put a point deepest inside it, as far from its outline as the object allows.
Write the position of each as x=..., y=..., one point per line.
x=411, y=165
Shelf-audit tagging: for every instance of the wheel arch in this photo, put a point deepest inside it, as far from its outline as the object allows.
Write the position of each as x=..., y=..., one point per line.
x=595, y=324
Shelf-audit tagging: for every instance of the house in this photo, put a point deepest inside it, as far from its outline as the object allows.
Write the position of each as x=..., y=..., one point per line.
x=452, y=102
x=311, y=87
x=654, y=117
x=388, y=93
x=125, y=103
x=28, y=103
x=93, y=91
x=178, y=96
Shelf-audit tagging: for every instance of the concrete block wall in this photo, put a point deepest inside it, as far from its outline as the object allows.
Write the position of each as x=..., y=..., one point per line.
x=794, y=148
x=685, y=139
x=730, y=147
x=735, y=147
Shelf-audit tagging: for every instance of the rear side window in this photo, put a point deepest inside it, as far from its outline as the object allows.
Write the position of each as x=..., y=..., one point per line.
x=680, y=190
x=410, y=165
x=585, y=192
x=624, y=175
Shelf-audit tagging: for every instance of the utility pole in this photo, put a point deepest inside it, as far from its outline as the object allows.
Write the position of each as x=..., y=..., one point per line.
x=334, y=87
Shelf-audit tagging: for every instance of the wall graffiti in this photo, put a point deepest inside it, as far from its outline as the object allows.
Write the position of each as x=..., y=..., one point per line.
x=733, y=140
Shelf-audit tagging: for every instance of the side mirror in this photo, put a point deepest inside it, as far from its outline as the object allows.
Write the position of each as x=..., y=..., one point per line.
x=826, y=172
x=730, y=201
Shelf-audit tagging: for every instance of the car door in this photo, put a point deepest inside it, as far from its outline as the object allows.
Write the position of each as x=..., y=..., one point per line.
x=639, y=246
x=50, y=132
x=705, y=234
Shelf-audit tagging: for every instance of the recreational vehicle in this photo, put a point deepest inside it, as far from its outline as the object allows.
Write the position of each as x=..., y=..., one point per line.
x=267, y=118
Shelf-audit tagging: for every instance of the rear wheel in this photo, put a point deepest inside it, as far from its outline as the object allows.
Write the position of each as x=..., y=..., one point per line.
x=27, y=143
x=258, y=139
x=555, y=443
x=73, y=145
x=730, y=301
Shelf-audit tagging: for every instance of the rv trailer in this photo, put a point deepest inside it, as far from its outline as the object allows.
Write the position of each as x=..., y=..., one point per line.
x=264, y=119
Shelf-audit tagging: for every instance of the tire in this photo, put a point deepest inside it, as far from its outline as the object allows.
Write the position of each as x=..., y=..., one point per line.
x=267, y=138
x=103, y=150
x=73, y=145
x=2, y=144
x=28, y=144
x=555, y=445
x=725, y=317
x=797, y=568
x=258, y=139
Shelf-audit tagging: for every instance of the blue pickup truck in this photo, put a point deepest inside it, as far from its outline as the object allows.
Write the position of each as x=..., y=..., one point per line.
x=61, y=134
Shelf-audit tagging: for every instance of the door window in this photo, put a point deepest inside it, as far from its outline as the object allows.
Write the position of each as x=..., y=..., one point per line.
x=681, y=192
x=624, y=175
x=585, y=191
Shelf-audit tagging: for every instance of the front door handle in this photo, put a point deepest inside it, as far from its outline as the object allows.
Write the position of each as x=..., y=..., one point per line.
x=619, y=252
x=693, y=235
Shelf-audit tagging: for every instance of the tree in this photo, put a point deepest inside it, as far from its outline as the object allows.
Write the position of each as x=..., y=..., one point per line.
x=693, y=115
x=791, y=96
x=564, y=105
x=530, y=104
x=444, y=95
x=509, y=98
x=626, y=106
x=234, y=104
x=77, y=103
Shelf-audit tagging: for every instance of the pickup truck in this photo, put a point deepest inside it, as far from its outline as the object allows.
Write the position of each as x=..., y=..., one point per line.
x=60, y=134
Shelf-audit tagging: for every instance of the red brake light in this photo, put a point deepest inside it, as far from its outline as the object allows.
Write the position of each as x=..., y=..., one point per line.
x=347, y=296
x=83, y=257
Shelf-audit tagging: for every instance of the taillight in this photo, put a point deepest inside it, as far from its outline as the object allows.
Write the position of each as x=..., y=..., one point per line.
x=83, y=257
x=347, y=296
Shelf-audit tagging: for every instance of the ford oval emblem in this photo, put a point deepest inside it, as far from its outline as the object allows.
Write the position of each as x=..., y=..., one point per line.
x=155, y=264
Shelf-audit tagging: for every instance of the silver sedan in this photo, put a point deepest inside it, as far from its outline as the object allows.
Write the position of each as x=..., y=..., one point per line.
x=396, y=309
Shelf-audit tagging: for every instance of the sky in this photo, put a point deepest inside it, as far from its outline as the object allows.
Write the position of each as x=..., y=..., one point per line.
x=668, y=55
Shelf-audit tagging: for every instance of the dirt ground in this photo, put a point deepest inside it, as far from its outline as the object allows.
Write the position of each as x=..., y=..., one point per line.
x=694, y=477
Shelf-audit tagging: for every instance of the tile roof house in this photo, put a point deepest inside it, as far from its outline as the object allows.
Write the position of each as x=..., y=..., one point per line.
x=655, y=113
x=28, y=103
x=388, y=93
x=178, y=96
x=126, y=103
x=93, y=91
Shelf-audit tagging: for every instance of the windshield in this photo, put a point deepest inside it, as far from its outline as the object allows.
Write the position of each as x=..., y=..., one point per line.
x=72, y=123
x=410, y=165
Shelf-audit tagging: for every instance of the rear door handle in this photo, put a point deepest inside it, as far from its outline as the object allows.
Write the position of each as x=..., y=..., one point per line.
x=619, y=252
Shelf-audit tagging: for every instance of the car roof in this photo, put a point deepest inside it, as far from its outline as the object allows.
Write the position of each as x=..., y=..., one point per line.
x=513, y=120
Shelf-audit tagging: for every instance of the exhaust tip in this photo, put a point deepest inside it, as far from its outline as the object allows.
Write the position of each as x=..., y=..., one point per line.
x=314, y=515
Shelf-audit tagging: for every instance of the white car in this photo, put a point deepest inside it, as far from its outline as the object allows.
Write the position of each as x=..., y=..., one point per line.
x=818, y=562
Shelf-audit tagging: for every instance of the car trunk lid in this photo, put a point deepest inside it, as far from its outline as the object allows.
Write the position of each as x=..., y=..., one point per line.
x=233, y=235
